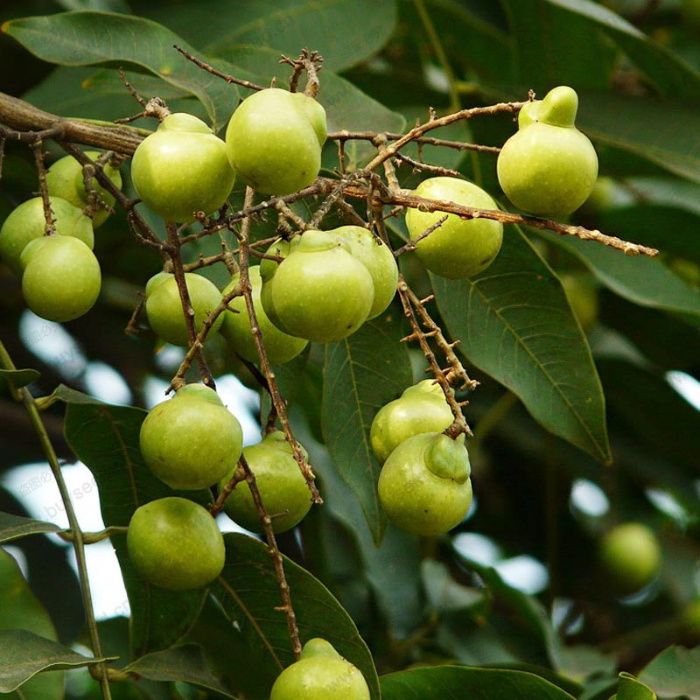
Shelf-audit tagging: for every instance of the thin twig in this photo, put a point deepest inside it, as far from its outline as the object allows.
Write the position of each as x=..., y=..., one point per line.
x=49, y=218
x=226, y=490
x=215, y=71
x=435, y=169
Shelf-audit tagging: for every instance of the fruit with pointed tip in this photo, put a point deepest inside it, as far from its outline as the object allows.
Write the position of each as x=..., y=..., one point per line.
x=421, y=408
x=631, y=556
x=458, y=247
x=424, y=485
x=182, y=168
x=274, y=140
x=191, y=441
x=321, y=673
x=175, y=543
x=548, y=167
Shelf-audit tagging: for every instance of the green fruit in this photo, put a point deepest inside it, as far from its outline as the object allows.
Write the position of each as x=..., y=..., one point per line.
x=424, y=485
x=320, y=674
x=26, y=223
x=631, y=555
x=379, y=261
x=61, y=279
x=174, y=543
x=459, y=247
x=65, y=179
x=191, y=441
x=421, y=408
x=280, y=346
x=274, y=140
x=200, y=391
x=548, y=167
x=582, y=295
x=281, y=484
x=164, y=308
x=319, y=291
x=182, y=168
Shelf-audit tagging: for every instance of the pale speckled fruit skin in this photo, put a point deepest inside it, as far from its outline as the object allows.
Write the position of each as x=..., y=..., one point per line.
x=65, y=179
x=182, y=168
x=319, y=291
x=415, y=499
x=320, y=674
x=62, y=278
x=582, y=295
x=631, y=555
x=164, y=309
x=190, y=442
x=422, y=408
x=26, y=223
x=174, y=543
x=282, y=487
x=459, y=248
x=281, y=347
x=274, y=140
x=379, y=261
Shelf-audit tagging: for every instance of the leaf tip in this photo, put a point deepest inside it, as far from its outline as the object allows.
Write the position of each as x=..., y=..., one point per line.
x=5, y=26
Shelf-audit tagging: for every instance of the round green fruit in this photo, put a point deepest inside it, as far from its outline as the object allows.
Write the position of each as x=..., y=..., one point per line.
x=274, y=140
x=631, y=555
x=26, y=223
x=164, y=308
x=459, y=247
x=319, y=291
x=548, y=167
x=424, y=485
x=377, y=257
x=280, y=346
x=65, y=179
x=182, y=168
x=281, y=484
x=61, y=279
x=421, y=408
x=174, y=543
x=582, y=295
x=321, y=673
x=191, y=441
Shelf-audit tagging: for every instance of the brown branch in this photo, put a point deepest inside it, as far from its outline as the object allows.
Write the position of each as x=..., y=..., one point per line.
x=49, y=218
x=435, y=169
x=413, y=244
x=230, y=79
x=309, y=61
x=236, y=478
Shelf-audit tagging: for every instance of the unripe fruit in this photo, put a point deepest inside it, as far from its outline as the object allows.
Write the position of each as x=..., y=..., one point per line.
x=281, y=484
x=319, y=291
x=182, y=168
x=459, y=247
x=377, y=257
x=424, y=485
x=582, y=295
x=421, y=408
x=320, y=674
x=61, y=279
x=548, y=167
x=65, y=179
x=631, y=555
x=26, y=223
x=280, y=346
x=164, y=308
x=274, y=140
x=191, y=441
x=174, y=543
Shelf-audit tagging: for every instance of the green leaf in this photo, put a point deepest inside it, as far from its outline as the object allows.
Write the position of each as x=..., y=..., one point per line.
x=24, y=654
x=67, y=395
x=248, y=593
x=14, y=526
x=361, y=374
x=629, y=688
x=674, y=672
x=184, y=663
x=514, y=323
x=18, y=378
x=462, y=682
x=106, y=439
x=92, y=38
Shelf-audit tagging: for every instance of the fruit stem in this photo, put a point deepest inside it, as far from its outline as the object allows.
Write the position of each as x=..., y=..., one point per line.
x=49, y=219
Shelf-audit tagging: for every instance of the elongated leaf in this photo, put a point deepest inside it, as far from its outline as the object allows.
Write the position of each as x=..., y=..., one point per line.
x=463, y=682
x=514, y=323
x=14, y=526
x=674, y=672
x=361, y=374
x=184, y=663
x=106, y=439
x=248, y=592
x=18, y=377
x=629, y=688
x=90, y=38
x=24, y=654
